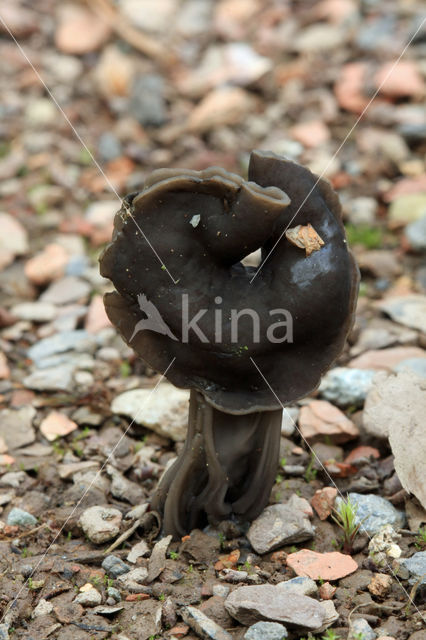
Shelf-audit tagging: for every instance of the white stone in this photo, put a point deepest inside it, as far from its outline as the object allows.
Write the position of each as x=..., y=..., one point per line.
x=43, y=608
x=164, y=410
x=101, y=524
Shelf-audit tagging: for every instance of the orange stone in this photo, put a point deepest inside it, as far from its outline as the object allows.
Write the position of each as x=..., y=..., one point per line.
x=134, y=597
x=362, y=452
x=321, y=566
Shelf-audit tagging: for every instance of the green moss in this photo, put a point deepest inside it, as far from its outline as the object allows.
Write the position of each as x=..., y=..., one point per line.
x=368, y=237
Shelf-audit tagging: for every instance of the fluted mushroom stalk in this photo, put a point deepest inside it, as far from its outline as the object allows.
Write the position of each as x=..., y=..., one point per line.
x=291, y=319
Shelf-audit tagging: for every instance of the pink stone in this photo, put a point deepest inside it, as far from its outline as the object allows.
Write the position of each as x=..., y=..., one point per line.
x=320, y=418
x=13, y=239
x=326, y=566
x=405, y=186
x=385, y=359
x=311, y=134
x=4, y=367
x=349, y=87
x=362, y=452
x=223, y=106
x=399, y=80
x=97, y=318
x=57, y=424
x=326, y=591
x=3, y=445
x=48, y=265
x=80, y=31
x=323, y=501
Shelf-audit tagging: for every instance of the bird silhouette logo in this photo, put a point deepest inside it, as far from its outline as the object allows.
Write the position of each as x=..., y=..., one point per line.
x=153, y=321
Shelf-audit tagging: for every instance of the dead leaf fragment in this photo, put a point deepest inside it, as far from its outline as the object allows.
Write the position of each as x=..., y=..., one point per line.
x=305, y=237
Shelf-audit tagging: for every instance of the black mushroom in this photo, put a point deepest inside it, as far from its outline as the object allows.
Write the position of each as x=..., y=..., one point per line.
x=229, y=328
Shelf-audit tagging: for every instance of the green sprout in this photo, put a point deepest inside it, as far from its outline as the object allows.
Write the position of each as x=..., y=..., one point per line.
x=125, y=369
x=311, y=472
x=330, y=635
x=345, y=518
x=174, y=555
x=420, y=542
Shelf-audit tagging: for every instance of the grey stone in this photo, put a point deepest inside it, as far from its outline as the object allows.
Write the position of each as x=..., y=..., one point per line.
x=109, y=146
x=374, y=512
x=344, y=386
x=16, y=427
x=277, y=525
x=415, y=365
x=407, y=310
x=85, y=416
x=221, y=590
x=395, y=408
x=361, y=626
x=124, y=489
x=330, y=614
x=416, y=566
x=194, y=17
x=157, y=561
x=50, y=379
x=101, y=524
x=361, y=210
x=4, y=631
x=133, y=580
x=90, y=598
x=147, y=103
x=77, y=266
x=266, y=631
x=21, y=518
x=416, y=234
x=114, y=566
x=13, y=479
x=203, y=626
x=66, y=290
x=259, y=602
x=164, y=410
x=114, y=593
x=35, y=311
x=301, y=584
x=70, y=359
x=58, y=343
x=294, y=470
x=139, y=550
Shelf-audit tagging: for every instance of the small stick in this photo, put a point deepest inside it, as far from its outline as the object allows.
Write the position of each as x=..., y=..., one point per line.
x=123, y=536
x=140, y=41
x=30, y=533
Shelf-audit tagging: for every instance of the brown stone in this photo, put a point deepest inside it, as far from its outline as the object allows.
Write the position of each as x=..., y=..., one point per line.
x=323, y=501
x=320, y=418
x=326, y=591
x=380, y=584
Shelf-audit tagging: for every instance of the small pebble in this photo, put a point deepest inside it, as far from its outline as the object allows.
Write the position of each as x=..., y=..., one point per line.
x=21, y=518
x=115, y=567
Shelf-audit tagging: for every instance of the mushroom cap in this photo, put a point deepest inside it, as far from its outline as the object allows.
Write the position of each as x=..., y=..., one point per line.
x=201, y=224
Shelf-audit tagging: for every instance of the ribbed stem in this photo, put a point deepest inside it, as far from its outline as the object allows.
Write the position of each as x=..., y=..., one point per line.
x=226, y=469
